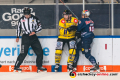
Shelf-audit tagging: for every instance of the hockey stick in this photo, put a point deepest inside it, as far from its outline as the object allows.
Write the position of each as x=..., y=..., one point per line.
x=68, y=9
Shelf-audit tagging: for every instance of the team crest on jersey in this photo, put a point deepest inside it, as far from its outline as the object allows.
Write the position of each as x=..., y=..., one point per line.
x=88, y=22
x=33, y=21
x=63, y=21
x=23, y=20
x=75, y=20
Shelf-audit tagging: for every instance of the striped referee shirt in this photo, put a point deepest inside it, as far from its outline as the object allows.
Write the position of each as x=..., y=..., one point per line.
x=29, y=25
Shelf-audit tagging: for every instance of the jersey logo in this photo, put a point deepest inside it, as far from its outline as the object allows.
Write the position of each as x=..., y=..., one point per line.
x=75, y=20
x=32, y=21
x=88, y=22
x=23, y=20
x=63, y=21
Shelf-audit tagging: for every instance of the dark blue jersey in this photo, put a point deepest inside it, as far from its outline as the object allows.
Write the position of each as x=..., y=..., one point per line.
x=86, y=26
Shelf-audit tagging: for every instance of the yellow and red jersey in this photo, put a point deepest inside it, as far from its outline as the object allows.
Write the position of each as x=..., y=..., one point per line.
x=63, y=25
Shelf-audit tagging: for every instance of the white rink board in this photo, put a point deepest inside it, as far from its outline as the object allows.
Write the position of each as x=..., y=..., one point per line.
x=116, y=51
x=104, y=57
x=10, y=43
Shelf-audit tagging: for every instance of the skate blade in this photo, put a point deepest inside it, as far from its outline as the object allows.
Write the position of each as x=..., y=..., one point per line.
x=14, y=71
x=56, y=71
x=17, y=71
x=75, y=69
x=95, y=71
x=98, y=71
x=41, y=71
x=44, y=71
x=69, y=70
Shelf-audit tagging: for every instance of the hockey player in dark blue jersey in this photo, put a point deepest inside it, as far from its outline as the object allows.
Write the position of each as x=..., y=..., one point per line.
x=86, y=27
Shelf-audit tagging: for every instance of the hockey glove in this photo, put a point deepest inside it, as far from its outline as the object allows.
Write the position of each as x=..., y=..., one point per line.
x=78, y=34
x=72, y=28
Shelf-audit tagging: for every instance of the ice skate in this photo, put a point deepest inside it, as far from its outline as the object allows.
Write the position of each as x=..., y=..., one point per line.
x=95, y=69
x=56, y=67
x=41, y=69
x=17, y=70
x=74, y=66
x=69, y=68
x=75, y=69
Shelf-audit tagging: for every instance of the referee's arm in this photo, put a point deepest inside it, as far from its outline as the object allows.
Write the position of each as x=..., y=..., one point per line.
x=38, y=26
x=18, y=31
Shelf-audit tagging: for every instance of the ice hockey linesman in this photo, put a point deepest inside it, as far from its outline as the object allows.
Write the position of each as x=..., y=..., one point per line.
x=67, y=29
x=86, y=27
x=30, y=25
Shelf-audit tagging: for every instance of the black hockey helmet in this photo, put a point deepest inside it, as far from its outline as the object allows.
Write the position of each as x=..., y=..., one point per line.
x=26, y=11
x=66, y=12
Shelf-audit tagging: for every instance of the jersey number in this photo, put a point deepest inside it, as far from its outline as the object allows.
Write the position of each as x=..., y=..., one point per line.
x=91, y=28
x=65, y=31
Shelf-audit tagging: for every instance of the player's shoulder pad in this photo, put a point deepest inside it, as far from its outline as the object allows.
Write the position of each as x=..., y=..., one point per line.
x=62, y=20
x=74, y=19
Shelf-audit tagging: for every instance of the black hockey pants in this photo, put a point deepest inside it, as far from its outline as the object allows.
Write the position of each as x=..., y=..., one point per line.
x=28, y=41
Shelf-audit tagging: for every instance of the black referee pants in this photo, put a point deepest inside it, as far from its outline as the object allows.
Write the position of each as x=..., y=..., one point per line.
x=28, y=41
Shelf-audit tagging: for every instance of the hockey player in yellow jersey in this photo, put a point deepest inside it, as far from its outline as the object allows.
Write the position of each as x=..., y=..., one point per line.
x=67, y=29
